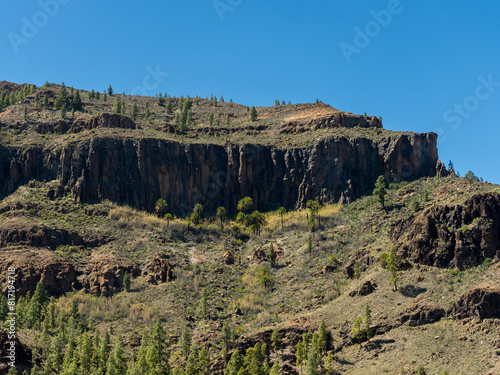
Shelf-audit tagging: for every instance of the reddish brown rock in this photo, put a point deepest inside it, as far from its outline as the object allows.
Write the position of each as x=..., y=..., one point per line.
x=261, y=253
x=58, y=276
x=160, y=270
x=106, y=277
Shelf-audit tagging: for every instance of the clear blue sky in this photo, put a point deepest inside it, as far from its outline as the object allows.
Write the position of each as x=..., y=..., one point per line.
x=431, y=66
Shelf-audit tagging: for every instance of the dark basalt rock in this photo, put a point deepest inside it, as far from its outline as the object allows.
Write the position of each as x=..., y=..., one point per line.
x=482, y=302
x=138, y=171
x=460, y=236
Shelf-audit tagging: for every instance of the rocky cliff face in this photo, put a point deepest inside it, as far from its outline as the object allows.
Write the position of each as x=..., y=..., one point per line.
x=459, y=236
x=139, y=171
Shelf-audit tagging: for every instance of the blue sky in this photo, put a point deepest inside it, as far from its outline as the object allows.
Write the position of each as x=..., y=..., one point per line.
x=421, y=65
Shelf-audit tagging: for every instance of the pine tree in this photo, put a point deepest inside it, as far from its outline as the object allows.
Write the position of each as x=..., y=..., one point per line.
x=111, y=366
x=185, y=341
x=391, y=261
x=104, y=350
x=235, y=363
x=282, y=212
x=380, y=190
x=272, y=256
x=63, y=111
x=25, y=113
x=211, y=119
x=159, y=100
x=73, y=312
x=77, y=101
x=253, y=114
x=85, y=351
x=119, y=357
x=169, y=108
x=55, y=358
x=367, y=322
x=323, y=338
x=191, y=363
x=117, y=105
x=104, y=96
x=61, y=98
x=110, y=90
x=226, y=341
x=126, y=281
x=203, y=362
x=357, y=331
x=37, y=100
x=312, y=363
x=302, y=350
x=45, y=101
x=203, y=304
x=275, y=339
x=133, y=112
x=276, y=369
x=36, y=305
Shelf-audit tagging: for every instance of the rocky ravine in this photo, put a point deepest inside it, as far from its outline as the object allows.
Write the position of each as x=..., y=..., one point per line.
x=139, y=171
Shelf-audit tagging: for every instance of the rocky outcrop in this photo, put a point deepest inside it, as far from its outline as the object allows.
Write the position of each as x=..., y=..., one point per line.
x=159, y=269
x=41, y=236
x=421, y=314
x=139, y=171
x=364, y=289
x=482, y=302
x=57, y=276
x=105, y=120
x=336, y=120
x=460, y=236
x=106, y=277
x=261, y=253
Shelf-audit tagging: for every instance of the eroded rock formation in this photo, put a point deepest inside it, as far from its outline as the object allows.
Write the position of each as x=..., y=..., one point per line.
x=460, y=236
